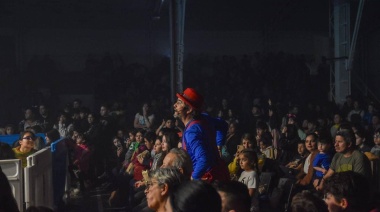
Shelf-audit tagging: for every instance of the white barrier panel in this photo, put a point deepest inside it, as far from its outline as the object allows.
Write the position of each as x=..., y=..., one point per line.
x=38, y=179
x=13, y=170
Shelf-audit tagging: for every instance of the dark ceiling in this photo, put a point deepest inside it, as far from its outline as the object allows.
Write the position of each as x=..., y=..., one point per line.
x=310, y=15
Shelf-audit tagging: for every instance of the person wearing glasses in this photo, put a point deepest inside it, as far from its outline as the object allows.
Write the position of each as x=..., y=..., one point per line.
x=26, y=146
x=158, y=187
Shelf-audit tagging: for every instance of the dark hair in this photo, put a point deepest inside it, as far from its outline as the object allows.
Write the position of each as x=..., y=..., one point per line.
x=266, y=138
x=250, y=138
x=132, y=131
x=350, y=185
x=315, y=136
x=195, y=196
x=53, y=135
x=262, y=125
x=23, y=133
x=348, y=136
x=150, y=136
x=252, y=157
x=6, y=151
x=305, y=201
x=172, y=139
x=236, y=195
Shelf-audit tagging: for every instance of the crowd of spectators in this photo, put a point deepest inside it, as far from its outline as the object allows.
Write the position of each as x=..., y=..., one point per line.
x=279, y=121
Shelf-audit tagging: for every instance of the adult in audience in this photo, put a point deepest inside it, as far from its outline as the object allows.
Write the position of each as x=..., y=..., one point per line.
x=144, y=119
x=346, y=158
x=29, y=121
x=51, y=136
x=26, y=147
x=179, y=159
x=159, y=184
x=306, y=175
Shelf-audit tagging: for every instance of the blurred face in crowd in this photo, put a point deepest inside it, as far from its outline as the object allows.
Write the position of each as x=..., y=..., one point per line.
x=157, y=146
x=103, y=111
x=169, y=123
x=310, y=143
x=341, y=145
x=29, y=114
x=148, y=144
x=376, y=139
x=42, y=110
x=333, y=205
x=91, y=119
x=246, y=143
x=117, y=142
x=139, y=137
x=9, y=131
x=337, y=119
x=359, y=140
x=165, y=145
x=27, y=142
x=301, y=149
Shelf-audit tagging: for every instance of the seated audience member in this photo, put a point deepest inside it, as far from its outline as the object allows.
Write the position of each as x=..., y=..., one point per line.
x=193, y=196
x=347, y=191
x=6, y=151
x=376, y=139
x=144, y=119
x=346, y=158
x=81, y=160
x=322, y=160
x=247, y=141
x=26, y=148
x=305, y=201
x=29, y=121
x=266, y=147
x=287, y=143
x=234, y=196
x=299, y=159
x=249, y=164
x=179, y=159
x=10, y=129
x=168, y=124
x=51, y=136
x=361, y=141
x=159, y=184
x=7, y=201
x=307, y=173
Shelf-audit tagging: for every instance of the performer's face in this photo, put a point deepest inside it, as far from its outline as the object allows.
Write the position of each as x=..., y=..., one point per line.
x=179, y=109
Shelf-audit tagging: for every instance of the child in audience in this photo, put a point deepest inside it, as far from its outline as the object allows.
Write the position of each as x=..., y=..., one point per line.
x=249, y=163
x=246, y=142
x=322, y=160
x=131, y=144
x=298, y=160
x=266, y=148
x=81, y=159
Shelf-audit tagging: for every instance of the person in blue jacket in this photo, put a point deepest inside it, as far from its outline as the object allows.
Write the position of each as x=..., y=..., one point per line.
x=199, y=137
